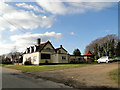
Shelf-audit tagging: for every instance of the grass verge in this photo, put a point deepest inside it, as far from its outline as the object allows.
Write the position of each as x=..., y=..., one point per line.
x=41, y=68
x=115, y=75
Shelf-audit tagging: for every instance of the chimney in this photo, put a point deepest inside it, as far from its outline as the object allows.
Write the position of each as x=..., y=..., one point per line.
x=38, y=41
x=60, y=46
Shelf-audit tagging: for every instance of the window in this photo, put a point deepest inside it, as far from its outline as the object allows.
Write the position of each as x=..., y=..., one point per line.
x=63, y=57
x=35, y=58
x=48, y=48
x=26, y=51
x=34, y=48
x=45, y=56
x=29, y=58
x=59, y=51
x=79, y=58
x=30, y=49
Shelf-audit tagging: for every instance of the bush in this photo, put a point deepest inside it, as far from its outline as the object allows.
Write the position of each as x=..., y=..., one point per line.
x=28, y=63
x=89, y=61
x=95, y=60
x=72, y=61
x=82, y=61
x=6, y=62
x=20, y=61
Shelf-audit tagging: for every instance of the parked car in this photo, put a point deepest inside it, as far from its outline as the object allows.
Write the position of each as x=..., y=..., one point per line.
x=116, y=59
x=105, y=59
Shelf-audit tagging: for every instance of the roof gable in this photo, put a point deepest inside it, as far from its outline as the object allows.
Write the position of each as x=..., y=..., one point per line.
x=88, y=53
x=44, y=45
x=60, y=48
x=40, y=47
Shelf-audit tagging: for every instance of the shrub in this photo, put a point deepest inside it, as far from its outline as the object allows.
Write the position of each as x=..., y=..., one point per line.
x=95, y=60
x=82, y=61
x=20, y=61
x=6, y=62
x=89, y=61
x=28, y=63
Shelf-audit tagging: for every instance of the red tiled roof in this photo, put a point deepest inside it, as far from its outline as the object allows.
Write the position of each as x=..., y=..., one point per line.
x=88, y=53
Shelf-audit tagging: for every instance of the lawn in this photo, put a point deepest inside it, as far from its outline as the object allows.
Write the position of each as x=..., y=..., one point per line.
x=115, y=75
x=41, y=68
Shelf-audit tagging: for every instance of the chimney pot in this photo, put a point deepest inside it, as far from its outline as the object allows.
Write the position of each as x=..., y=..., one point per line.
x=60, y=46
x=38, y=41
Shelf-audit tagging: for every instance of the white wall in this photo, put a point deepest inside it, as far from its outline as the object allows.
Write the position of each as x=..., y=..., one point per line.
x=32, y=55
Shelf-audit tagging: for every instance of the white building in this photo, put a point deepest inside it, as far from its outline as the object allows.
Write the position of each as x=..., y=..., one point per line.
x=45, y=53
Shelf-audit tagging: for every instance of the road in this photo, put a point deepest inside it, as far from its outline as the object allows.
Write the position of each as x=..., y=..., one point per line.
x=15, y=79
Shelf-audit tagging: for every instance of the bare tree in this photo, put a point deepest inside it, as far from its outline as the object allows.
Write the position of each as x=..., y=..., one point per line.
x=104, y=46
x=15, y=55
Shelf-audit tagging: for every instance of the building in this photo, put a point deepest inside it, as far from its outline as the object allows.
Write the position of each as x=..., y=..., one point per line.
x=75, y=59
x=88, y=55
x=45, y=53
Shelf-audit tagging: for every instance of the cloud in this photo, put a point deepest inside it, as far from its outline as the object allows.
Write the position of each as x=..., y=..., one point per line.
x=14, y=19
x=82, y=7
x=72, y=33
x=32, y=7
x=32, y=37
x=63, y=8
x=107, y=31
x=5, y=48
x=0, y=34
x=53, y=7
x=25, y=40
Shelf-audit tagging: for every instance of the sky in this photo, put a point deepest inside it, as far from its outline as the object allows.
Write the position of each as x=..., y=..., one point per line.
x=71, y=24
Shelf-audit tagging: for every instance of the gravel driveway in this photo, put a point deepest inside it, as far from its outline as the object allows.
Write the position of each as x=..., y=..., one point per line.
x=96, y=76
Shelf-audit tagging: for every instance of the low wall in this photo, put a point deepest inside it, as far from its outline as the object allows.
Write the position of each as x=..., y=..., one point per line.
x=18, y=64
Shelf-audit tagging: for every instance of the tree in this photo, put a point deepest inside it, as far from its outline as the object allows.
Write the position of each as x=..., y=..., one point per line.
x=76, y=52
x=104, y=46
x=14, y=54
x=118, y=49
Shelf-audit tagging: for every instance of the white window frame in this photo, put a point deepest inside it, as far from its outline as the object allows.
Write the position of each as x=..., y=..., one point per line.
x=30, y=49
x=34, y=48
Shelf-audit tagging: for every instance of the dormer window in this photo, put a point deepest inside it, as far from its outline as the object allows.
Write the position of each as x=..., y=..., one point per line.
x=26, y=50
x=30, y=49
x=34, y=48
